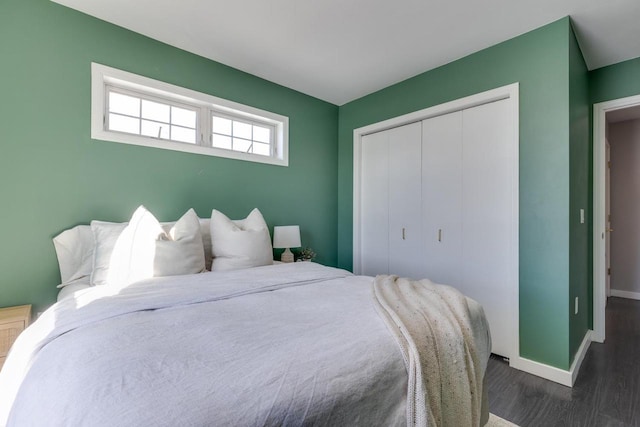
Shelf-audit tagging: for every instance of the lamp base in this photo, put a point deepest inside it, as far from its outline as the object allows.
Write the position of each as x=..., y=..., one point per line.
x=287, y=256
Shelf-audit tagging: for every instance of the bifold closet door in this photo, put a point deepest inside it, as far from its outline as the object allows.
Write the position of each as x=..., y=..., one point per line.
x=405, y=216
x=390, y=223
x=374, y=193
x=442, y=198
x=467, y=209
x=487, y=193
x=438, y=201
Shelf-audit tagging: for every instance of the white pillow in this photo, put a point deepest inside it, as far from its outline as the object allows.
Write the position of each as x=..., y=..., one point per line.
x=145, y=249
x=132, y=257
x=105, y=235
x=74, y=249
x=180, y=249
x=240, y=244
x=205, y=232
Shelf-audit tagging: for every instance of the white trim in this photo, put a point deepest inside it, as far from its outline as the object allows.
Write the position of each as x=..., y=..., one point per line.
x=599, y=225
x=509, y=92
x=504, y=92
x=580, y=355
x=560, y=376
x=547, y=372
x=625, y=294
x=101, y=75
x=514, y=96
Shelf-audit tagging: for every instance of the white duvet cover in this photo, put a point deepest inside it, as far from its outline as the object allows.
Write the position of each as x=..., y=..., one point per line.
x=290, y=344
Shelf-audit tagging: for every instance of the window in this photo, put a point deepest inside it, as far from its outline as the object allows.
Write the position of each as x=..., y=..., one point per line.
x=132, y=109
x=240, y=135
x=133, y=113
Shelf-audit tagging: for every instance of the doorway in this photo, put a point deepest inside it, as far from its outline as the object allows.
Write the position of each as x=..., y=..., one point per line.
x=619, y=110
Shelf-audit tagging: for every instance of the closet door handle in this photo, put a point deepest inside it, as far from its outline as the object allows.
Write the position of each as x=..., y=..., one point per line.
x=403, y=236
x=439, y=234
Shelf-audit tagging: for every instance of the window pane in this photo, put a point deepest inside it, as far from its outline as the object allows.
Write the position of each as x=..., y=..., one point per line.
x=124, y=124
x=261, y=134
x=182, y=117
x=221, y=141
x=155, y=111
x=241, y=130
x=221, y=125
x=154, y=129
x=241, y=145
x=261, y=149
x=183, y=134
x=124, y=104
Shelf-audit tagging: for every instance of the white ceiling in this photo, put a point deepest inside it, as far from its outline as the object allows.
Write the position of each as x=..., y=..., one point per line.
x=340, y=50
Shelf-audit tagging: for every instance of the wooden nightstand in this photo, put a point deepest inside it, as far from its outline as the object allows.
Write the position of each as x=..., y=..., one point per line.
x=13, y=320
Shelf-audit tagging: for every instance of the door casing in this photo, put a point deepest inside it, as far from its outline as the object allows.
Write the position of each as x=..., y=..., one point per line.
x=600, y=111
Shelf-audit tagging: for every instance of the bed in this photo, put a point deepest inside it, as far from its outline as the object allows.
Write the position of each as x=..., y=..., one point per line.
x=286, y=344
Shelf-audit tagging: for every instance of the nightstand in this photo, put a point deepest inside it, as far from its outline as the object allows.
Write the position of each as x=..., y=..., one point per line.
x=13, y=320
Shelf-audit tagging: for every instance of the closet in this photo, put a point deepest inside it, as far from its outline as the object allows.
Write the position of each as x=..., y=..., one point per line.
x=436, y=200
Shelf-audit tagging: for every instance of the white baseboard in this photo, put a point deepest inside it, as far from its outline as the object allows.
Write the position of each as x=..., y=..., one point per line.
x=560, y=376
x=580, y=354
x=625, y=294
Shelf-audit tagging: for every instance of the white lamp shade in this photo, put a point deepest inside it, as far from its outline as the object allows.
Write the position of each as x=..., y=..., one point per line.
x=287, y=236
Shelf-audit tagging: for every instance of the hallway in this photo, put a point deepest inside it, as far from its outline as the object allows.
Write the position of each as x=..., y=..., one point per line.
x=606, y=393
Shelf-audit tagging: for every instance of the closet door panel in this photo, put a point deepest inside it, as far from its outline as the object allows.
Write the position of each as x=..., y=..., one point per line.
x=442, y=198
x=405, y=224
x=374, y=221
x=486, y=216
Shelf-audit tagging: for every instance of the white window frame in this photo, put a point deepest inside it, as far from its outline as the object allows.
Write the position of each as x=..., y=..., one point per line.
x=206, y=105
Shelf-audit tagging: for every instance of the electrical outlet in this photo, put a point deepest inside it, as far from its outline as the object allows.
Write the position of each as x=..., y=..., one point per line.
x=576, y=309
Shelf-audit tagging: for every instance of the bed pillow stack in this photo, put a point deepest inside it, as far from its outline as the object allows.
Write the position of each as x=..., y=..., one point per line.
x=117, y=254
x=144, y=249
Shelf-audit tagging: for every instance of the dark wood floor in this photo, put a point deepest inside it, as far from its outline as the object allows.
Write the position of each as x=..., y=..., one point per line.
x=606, y=392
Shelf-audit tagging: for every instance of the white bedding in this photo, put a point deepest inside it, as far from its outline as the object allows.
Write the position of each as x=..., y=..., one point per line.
x=287, y=344
x=72, y=290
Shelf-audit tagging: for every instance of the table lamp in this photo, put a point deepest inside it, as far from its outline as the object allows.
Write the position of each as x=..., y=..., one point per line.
x=287, y=236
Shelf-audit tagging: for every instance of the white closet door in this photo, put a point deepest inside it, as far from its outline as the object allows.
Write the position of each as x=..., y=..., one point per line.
x=442, y=198
x=405, y=223
x=374, y=193
x=487, y=216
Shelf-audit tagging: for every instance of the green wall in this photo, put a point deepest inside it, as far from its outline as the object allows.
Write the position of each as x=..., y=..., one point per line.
x=580, y=244
x=615, y=81
x=539, y=61
x=53, y=176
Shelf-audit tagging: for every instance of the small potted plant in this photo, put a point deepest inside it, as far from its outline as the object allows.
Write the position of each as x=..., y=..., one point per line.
x=306, y=254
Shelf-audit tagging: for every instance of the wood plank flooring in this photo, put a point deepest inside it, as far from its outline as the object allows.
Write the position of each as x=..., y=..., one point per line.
x=606, y=392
